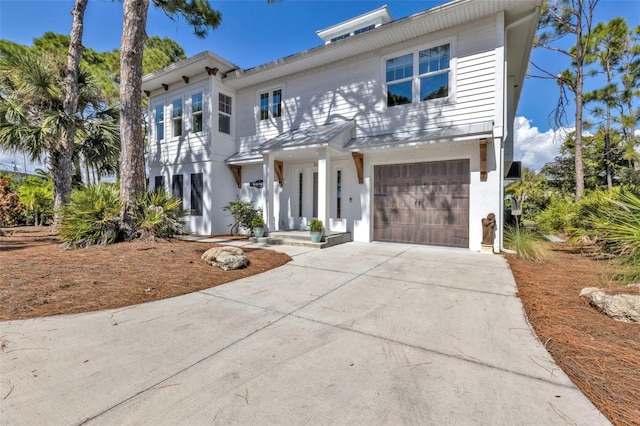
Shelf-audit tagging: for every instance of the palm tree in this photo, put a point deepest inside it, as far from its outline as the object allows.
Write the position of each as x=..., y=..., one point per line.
x=32, y=116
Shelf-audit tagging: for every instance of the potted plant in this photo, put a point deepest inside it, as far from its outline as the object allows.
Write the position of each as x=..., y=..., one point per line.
x=257, y=223
x=315, y=227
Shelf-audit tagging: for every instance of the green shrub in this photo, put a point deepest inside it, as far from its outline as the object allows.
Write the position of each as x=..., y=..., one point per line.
x=617, y=223
x=555, y=217
x=92, y=216
x=527, y=243
x=36, y=195
x=243, y=214
x=257, y=222
x=159, y=215
x=315, y=225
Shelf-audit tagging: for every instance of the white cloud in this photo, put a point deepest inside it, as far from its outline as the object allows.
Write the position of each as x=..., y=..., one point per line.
x=533, y=148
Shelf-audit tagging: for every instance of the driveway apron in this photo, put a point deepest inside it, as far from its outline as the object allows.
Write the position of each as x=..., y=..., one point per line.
x=367, y=334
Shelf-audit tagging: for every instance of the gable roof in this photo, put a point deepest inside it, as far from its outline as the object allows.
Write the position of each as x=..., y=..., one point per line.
x=521, y=20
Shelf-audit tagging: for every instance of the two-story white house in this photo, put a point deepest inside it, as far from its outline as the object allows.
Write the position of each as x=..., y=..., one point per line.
x=392, y=130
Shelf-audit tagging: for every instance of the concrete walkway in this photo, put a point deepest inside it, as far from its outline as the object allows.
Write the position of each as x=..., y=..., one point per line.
x=355, y=334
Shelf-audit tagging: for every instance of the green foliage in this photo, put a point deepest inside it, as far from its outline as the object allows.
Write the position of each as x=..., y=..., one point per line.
x=530, y=192
x=36, y=195
x=159, y=215
x=618, y=224
x=257, y=222
x=92, y=216
x=527, y=243
x=197, y=13
x=555, y=217
x=315, y=225
x=10, y=206
x=243, y=214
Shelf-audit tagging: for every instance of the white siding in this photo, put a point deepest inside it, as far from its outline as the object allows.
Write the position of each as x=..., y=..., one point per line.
x=355, y=89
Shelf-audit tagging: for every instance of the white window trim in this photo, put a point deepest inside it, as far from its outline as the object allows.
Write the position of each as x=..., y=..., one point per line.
x=453, y=69
x=231, y=121
x=270, y=91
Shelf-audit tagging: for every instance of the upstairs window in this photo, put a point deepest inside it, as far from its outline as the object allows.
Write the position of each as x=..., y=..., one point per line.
x=418, y=76
x=264, y=106
x=433, y=70
x=271, y=104
x=159, y=120
x=399, y=75
x=196, y=112
x=176, y=117
x=276, y=106
x=224, y=113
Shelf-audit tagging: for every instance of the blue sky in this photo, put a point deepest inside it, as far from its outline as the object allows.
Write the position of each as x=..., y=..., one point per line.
x=253, y=33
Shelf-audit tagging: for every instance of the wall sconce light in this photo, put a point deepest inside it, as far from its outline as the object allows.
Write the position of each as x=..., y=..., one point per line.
x=257, y=184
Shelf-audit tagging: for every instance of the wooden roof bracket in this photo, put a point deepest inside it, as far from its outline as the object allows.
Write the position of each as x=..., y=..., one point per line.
x=358, y=159
x=237, y=173
x=483, y=160
x=278, y=166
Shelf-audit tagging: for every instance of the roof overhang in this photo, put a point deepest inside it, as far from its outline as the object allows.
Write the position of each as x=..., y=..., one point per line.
x=457, y=12
x=205, y=62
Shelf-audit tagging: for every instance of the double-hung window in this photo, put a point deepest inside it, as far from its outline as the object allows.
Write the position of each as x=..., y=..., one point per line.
x=418, y=76
x=224, y=113
x=196, y=112
x=159, y=120
x=271, y=104
x=176, y=117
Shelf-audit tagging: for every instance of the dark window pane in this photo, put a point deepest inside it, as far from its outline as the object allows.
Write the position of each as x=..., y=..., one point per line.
x=300, y=180
x=399, y=94
x=197, y=123
x=224, y=103
x=159, y=116
x=196, y=112
x=277, y=103
x=224, y=124
x=264, y=106
x=176, y=187
x=433, y=87
x=158, y=182
x=197, y=185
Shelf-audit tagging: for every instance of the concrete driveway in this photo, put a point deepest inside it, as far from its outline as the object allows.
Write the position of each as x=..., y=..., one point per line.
x=356, y=334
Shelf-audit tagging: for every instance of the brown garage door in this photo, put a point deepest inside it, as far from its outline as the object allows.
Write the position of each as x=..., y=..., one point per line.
x=423, y=203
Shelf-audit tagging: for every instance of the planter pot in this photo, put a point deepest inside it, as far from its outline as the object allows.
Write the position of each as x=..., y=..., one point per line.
x=258, y=232
x=316, y=237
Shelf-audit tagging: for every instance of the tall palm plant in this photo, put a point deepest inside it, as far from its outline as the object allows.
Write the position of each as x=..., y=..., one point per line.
x=32, y=115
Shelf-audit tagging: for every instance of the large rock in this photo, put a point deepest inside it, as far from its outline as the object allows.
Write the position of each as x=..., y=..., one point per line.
x=226, y=257
x=621, y=307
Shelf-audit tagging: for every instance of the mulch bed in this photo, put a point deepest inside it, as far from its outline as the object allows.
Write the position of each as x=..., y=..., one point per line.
x=599, y=354
x=38, y=278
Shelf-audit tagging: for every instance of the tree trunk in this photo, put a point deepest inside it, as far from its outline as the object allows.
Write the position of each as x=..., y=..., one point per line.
x=64, y=160
x=580, y=54
x=132, y=170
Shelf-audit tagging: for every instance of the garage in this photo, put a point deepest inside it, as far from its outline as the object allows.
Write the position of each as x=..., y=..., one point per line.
x=422, y=203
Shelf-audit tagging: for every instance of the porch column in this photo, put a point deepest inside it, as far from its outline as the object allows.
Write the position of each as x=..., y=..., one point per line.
x=324, y=186
x=268, y=192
